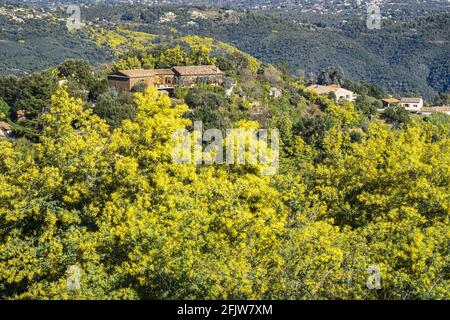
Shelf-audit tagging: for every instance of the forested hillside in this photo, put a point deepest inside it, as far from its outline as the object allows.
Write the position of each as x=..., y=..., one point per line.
x=403, y=57
x=33, y=39
x=89, y=189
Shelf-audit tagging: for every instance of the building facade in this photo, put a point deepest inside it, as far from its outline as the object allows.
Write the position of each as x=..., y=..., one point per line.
x=340, y=93
x=389, y=102
x=188, y=76
x=412, y=104
x=166, y=79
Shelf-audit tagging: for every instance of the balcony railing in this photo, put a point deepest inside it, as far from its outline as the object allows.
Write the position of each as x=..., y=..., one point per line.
x=164, y=86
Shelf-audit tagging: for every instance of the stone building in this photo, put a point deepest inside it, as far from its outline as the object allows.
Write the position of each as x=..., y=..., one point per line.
x=166, y=79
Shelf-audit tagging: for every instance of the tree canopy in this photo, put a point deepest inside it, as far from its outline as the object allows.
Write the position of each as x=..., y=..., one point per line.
x=136, y=225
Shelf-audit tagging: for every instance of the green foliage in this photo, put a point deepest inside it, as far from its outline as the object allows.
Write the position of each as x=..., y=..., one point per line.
x=208, y=107
x=4, y=110
x=115, y=109
x=32, y=94
x=76, y=70
x=180, y=92
x=97, y=189
x=188, y=50
x=331, y=75
x=397, y=116
x=377, y=58
x=438, y=119
x=139, y=87
x=138, y=226
x=36, y=91
x=367, y=106
x=365, y=88
x=442, y=99
x=40, y=41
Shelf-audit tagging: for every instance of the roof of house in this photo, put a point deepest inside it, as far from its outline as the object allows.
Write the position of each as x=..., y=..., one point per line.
x=411, y=100
x=4, y=126
x=181, y=70
x=197, y=70
x=135, y=73
x=319, y=89
x=168, y=72
x=21, y=113
x=391, y=100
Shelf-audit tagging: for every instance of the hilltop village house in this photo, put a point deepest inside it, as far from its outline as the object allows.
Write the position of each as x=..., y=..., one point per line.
x=340, y=93
x=389, y=102
x=166, y=79
x=412, y=104
x=415, y=105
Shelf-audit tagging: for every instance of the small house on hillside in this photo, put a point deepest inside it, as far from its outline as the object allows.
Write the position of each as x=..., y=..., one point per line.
x=275, y=93
x=192, y=75
x=412, y=104
x=340, y=93
x=389, y=102
x=125, y=80
x=166, y=79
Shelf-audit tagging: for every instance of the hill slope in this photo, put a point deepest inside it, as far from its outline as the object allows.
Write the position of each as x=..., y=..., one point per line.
x=33, y=39
x=402, y=57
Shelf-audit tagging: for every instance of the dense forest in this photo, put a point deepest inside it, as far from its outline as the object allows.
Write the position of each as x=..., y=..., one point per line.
x=32, y=40
x=88, y=185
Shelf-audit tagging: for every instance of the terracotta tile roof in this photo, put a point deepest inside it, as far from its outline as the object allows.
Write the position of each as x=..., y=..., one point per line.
x=4, y=126
x=181, y=70
x=136, y=73
x=21, y=113
x=168, y=72
x=391, y=100
x=197, y=70
x=410, y=100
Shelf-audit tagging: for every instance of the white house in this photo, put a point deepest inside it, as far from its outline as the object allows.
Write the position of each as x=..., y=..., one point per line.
x=340, y=93
x=412, y=104
x=275, y=92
